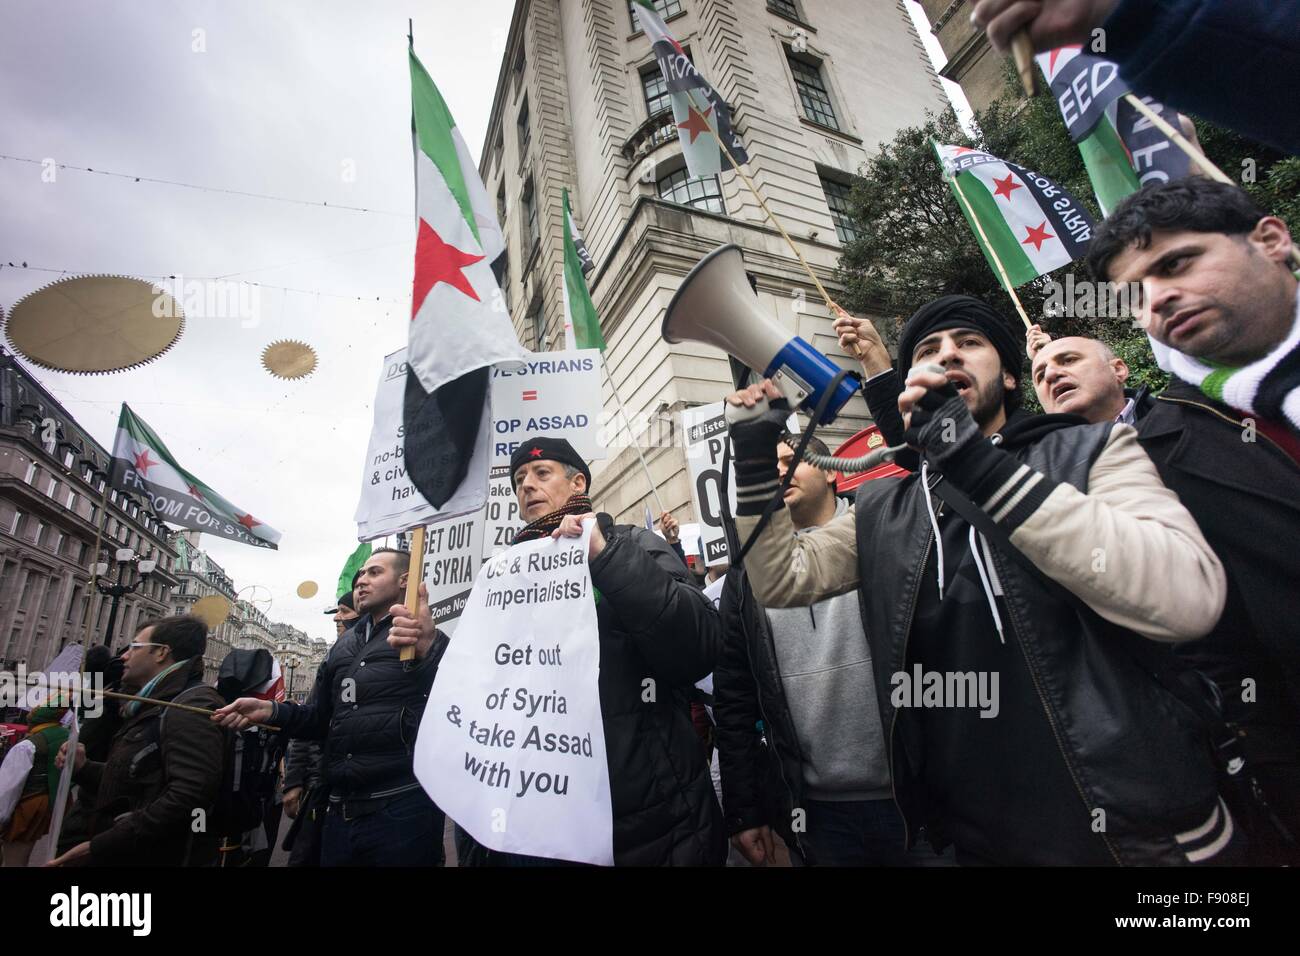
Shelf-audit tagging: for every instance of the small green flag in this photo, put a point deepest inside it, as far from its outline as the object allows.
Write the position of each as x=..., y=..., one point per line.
x=581, y=324
x=351, y=566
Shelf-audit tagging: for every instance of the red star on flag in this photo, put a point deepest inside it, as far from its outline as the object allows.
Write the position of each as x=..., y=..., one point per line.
x=1005, y=186
x=1051, y=60
x=1037, y=235
x=248, y=521
x=143, y=462
x=964, y=149
x=534, y=453
x=194, y=490
x=695, y=122
x=436, y=261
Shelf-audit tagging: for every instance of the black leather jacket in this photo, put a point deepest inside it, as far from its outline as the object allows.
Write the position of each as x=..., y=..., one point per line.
x=1131, y=747
x=758, y=748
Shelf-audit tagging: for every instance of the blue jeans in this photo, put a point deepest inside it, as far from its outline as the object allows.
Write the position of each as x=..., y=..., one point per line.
x=406, y=831
x=854, y=833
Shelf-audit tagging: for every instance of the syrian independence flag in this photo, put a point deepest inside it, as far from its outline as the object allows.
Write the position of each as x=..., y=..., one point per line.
x=1122, y=150
x=579, y=246
x=581, y=324
x=143, y=465
x=459, y=324
x=697, y=107
x=1032, y=225
x=273, y=689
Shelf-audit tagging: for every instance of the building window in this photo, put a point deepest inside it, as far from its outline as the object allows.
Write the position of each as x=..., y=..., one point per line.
x=703, y=193
x=501, y=205
x=41, y=528
x=537, y=324
x=6, y=571
x=72, y=500
x=665, y=9
x=786, y=8
x=837, y=197
x=16, y=529
x=520, y=62
x=51, y=598
x=523, y=129
x=28, y=584
x=812, y=92
x=656, y=92
x=498, y=151
x=505, y=281
x=32, y=472
x=532, y=233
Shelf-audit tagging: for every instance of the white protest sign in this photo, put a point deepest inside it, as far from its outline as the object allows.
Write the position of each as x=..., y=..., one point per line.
x=47, y=847
x=512, y=745
x=554, y=395
x=706, y=437
x=503, y=520
x=389, y=501
x=453, y=553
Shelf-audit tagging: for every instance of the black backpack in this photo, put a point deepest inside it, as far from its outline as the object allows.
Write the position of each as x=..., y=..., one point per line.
x=252, y=763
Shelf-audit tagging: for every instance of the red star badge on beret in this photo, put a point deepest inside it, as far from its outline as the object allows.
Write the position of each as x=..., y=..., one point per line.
x=534, y=453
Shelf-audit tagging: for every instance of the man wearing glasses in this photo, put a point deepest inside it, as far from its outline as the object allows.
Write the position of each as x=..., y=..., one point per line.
x=162, y=776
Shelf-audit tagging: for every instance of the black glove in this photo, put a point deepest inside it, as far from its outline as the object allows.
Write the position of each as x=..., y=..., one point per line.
x=943, y=430
x=756, y=431
x=941, y=427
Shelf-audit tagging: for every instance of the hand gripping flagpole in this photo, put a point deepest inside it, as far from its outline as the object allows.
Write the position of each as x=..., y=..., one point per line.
x=414, y=575
x=1197, y=157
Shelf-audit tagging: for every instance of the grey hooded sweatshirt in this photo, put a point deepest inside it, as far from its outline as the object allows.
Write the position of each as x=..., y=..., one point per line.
x=826, y=674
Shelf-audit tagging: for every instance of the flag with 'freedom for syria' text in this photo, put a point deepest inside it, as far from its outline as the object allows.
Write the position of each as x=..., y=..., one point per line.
x=1030, y=224
x=1122, y=150
x=460, y=327
x=143, y=465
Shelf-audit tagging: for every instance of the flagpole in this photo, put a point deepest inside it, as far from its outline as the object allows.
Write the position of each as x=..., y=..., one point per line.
x=1197, y=157
x=414, y=574
x=1002, y=273
x=628, y=422
x=114, y=695
x=772, y=216
x=94, y=576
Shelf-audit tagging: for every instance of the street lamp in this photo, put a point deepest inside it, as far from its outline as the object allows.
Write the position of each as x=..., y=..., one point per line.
x=126, y=559
x=293, y=663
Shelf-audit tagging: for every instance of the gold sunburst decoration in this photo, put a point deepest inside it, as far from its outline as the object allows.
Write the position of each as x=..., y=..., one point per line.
x=94, y=324
x=211, y=610
x=290, y=359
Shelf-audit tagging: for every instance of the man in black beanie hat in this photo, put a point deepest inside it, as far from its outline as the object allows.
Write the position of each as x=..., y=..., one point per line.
x=658, y=636
x=1013, y=593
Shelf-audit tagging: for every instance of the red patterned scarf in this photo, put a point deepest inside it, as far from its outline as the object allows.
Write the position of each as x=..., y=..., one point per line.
x=546, y=524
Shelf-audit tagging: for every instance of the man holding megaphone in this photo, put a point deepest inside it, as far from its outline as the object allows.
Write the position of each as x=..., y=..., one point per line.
x=1019, y=592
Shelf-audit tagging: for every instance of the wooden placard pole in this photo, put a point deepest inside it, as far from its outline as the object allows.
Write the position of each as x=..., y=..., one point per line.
x=414, y=575
x=114, y=695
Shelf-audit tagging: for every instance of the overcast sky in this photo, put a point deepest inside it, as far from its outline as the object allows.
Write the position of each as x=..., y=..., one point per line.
x=306, y=101
x=278, y=99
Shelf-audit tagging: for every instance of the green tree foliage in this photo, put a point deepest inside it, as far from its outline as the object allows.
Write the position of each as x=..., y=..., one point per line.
x=914, y=244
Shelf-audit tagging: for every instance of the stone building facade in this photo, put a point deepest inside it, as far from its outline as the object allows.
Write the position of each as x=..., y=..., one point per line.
x=815, y=85
x=52, y=483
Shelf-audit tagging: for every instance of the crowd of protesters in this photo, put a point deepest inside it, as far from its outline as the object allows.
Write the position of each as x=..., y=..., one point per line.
x=1058, y=638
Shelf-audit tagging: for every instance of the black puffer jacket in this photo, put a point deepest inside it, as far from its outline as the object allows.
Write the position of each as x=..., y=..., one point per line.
x=762, y=769
x=366, y=704
x=655, y=625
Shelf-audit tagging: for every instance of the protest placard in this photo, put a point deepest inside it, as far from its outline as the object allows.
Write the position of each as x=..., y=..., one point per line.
x=706, y=436
x=389, y=500
x=512, y=745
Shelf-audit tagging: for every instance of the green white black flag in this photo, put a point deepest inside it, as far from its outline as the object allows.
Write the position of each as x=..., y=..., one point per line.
x=143, y=465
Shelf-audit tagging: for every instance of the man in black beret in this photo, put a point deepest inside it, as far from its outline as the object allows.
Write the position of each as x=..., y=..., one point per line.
x=1018, y=593
x=658, y=636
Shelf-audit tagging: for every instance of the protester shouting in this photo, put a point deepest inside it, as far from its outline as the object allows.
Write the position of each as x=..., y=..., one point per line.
x=1076, y=755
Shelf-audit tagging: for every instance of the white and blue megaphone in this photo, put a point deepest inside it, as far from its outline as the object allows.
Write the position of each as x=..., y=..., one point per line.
x=715, y=305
